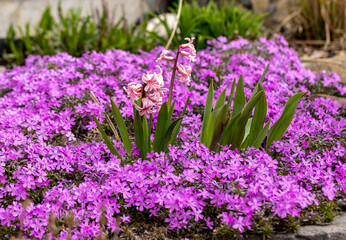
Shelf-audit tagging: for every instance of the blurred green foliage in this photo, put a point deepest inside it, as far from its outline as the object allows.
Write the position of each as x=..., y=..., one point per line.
x=74, y=34
x=77, y=34
x=211, y=21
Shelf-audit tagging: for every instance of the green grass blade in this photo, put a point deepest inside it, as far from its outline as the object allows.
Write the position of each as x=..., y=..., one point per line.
x=207, y=112
x=239, y=98
x=108, y=141
x=261, y=136
x=279, y=128
x=122, y=128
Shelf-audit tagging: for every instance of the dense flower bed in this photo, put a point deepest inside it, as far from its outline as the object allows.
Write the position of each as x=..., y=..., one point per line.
x=54, y=164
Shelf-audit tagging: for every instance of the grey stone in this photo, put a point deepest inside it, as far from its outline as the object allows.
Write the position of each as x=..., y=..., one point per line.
x=336, y=230
x=19, y=12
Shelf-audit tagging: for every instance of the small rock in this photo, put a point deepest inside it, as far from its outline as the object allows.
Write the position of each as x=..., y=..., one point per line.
x=336, y=230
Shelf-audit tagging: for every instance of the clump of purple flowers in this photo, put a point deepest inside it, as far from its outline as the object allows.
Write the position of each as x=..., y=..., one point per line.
x=54, y=163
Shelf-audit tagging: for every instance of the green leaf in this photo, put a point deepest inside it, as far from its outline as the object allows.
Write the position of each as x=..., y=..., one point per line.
x=239, y=98
x=239, y=129
x=177, y=128
x=146, y=136
x=261, y=136
x=209, y=131
x=170, y=113
x=247, y=130
x=164, y=144
x=108, y=142
x=161, y=127
x=220, y=101
x=139, y=133
x=230, y=98
x=257, y=88
x=220, y=121
x=279, y=128
x=122, y=128
x=207, y=112
x=259, y=117
x=227, y=132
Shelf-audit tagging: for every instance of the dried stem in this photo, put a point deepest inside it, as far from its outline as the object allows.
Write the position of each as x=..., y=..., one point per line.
x=176, y=25
x=93, y=97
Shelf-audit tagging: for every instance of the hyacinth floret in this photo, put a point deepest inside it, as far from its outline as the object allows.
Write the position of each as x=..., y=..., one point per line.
x=150, y=92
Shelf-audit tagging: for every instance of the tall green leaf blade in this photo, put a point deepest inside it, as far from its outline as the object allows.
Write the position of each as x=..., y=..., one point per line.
x=170, y=113
x=259, y=117
x=108, y=141
x=227, y=132
x=210, y=130
x=220, y=116
x=220, y=101
x=279, y=128
x=247, y=130
x=139, y=133
x=239, y=129
x=168, y=135
x=177, y=128
x=122, y=128
x=161, y=127
x=261, y=136
x=256, y=90
x=230, y=98
x=239, y=97
x=207, y=112
x=146, y=143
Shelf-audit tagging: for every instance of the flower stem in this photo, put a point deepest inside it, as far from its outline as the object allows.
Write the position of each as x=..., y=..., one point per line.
x=172, y=80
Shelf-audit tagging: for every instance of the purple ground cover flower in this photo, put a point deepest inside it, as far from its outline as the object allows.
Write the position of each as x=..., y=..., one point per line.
x=51, y=154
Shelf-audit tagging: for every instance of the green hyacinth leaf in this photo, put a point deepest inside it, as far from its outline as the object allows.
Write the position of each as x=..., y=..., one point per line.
x=261, y=136
x=177, y=128
x=239, y=129
x=220, y=120
x=228, y=131
x=231, y=95
x=108, y=141
x=210, y=130
x=256, y=90
x=122, y=128
x=170, y=113
x=164, y=144
x=139, y=140
x=220, y=101
x=259, y=117
x=161, y=127
x=207, y=112
x=279, y=128
x=146, y=135
x=239, y=97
